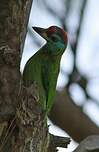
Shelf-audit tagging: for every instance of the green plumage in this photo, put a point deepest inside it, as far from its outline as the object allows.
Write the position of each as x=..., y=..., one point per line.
x=43, y=68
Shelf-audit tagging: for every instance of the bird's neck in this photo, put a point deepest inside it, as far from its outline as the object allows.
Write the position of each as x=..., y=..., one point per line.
x=54, y=48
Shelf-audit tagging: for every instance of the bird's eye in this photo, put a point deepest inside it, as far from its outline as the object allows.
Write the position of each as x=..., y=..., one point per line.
x=54, y=38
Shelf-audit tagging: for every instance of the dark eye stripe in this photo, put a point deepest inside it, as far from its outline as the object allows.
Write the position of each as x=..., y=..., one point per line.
x=54, y=38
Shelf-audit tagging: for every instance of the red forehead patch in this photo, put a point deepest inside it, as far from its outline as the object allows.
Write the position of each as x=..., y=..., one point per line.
x=52, y=29
x=58, y=30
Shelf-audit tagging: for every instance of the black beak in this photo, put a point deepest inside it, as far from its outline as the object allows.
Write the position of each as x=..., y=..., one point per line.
x=41, y=31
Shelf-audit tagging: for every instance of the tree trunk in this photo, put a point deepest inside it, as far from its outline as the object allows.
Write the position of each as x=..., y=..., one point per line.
x=22, y=123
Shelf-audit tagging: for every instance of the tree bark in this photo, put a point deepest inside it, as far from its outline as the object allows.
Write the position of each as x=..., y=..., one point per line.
x=22, y=124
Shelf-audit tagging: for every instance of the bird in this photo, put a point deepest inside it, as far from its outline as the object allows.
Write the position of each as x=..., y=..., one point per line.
x=43, y=67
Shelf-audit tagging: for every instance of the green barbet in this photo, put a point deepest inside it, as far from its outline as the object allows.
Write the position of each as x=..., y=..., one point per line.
x=43, y=66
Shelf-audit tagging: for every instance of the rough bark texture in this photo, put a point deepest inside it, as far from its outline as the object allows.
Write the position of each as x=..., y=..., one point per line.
x=33, y=135
x=12, y=23
x=22, y=125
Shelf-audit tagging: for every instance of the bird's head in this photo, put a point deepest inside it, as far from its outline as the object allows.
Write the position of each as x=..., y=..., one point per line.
x=55, y=36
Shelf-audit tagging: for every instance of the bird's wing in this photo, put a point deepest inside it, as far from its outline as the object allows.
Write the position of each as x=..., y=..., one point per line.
x=50, y=71
x=31, y=71
x=45, y=76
